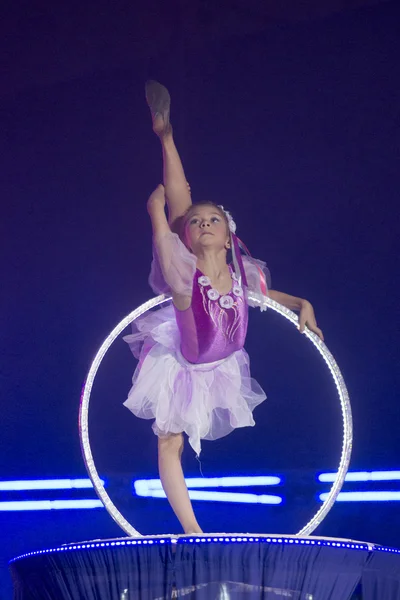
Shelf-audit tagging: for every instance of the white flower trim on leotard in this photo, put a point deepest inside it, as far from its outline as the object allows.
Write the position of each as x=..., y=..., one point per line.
x=226, y=301
x=204, y=280
x=212, y=294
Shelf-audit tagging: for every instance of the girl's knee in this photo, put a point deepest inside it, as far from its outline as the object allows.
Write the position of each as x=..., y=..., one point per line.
x=171, y=443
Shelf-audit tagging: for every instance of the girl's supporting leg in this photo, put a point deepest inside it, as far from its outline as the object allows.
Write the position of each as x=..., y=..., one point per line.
x=170, y=468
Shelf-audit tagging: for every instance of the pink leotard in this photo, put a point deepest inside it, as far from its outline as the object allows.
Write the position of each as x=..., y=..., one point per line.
x=214, y=326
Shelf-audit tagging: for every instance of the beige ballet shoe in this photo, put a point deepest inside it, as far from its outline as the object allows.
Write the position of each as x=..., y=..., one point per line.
x=159, y=102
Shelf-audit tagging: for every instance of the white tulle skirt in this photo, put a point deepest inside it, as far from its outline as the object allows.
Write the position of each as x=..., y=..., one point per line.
x=206, y=401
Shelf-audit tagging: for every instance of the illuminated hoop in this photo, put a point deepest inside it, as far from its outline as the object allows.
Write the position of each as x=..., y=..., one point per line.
x=285, y=312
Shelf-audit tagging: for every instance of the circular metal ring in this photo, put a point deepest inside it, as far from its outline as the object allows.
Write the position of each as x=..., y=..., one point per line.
x=285, y=312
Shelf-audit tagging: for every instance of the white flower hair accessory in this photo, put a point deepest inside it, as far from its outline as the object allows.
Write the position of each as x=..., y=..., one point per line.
x=231, y=222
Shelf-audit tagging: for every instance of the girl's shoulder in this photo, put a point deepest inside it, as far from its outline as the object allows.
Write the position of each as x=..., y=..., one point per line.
x=173, y=266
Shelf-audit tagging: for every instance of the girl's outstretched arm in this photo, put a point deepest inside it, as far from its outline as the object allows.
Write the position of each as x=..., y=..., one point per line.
x=306, y=316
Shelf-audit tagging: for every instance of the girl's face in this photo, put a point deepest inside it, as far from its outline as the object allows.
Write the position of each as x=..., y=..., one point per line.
x=205, y=227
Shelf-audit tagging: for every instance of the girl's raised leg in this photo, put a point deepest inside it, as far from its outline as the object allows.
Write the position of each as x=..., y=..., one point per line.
x=170, y=469
x=176, y=188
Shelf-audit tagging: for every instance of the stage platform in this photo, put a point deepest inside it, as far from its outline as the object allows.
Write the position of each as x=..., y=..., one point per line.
x=210, y=566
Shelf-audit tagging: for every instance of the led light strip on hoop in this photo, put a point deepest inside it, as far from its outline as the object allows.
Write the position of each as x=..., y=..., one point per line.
x=285, y=312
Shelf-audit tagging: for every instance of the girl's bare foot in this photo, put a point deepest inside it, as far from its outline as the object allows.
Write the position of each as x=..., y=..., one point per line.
x=194, y=531
x=159, y=101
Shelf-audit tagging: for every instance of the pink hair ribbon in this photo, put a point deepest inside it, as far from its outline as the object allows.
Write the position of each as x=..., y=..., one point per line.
x=263, y=283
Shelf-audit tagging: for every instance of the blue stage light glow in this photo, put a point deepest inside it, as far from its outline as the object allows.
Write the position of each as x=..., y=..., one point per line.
x=153, y=488
x=374, y=496
x=243, y=481
x=362, y=476
x=144, y=487
x=46, y=484
x=219, y=496
x=22, y=505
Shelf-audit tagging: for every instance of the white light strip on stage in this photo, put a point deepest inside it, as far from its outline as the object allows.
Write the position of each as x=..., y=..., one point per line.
x=224, y=497
x=45, y=484
x=22, y=505
x=362, y=476
x=245, y=481
x=377, y=496
x=144, y=486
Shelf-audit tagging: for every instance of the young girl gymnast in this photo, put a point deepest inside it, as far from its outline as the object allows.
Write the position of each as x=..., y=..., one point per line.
x=193, y=375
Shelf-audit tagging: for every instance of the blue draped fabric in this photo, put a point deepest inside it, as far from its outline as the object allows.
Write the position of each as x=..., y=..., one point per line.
x=381, y=577
x=206, y=570
x=111, y=573
x=265, y=571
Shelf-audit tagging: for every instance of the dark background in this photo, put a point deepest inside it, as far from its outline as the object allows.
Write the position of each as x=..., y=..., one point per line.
x=285, y=112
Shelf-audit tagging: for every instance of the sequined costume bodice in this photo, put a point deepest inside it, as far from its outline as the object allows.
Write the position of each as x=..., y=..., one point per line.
x=214, y=326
